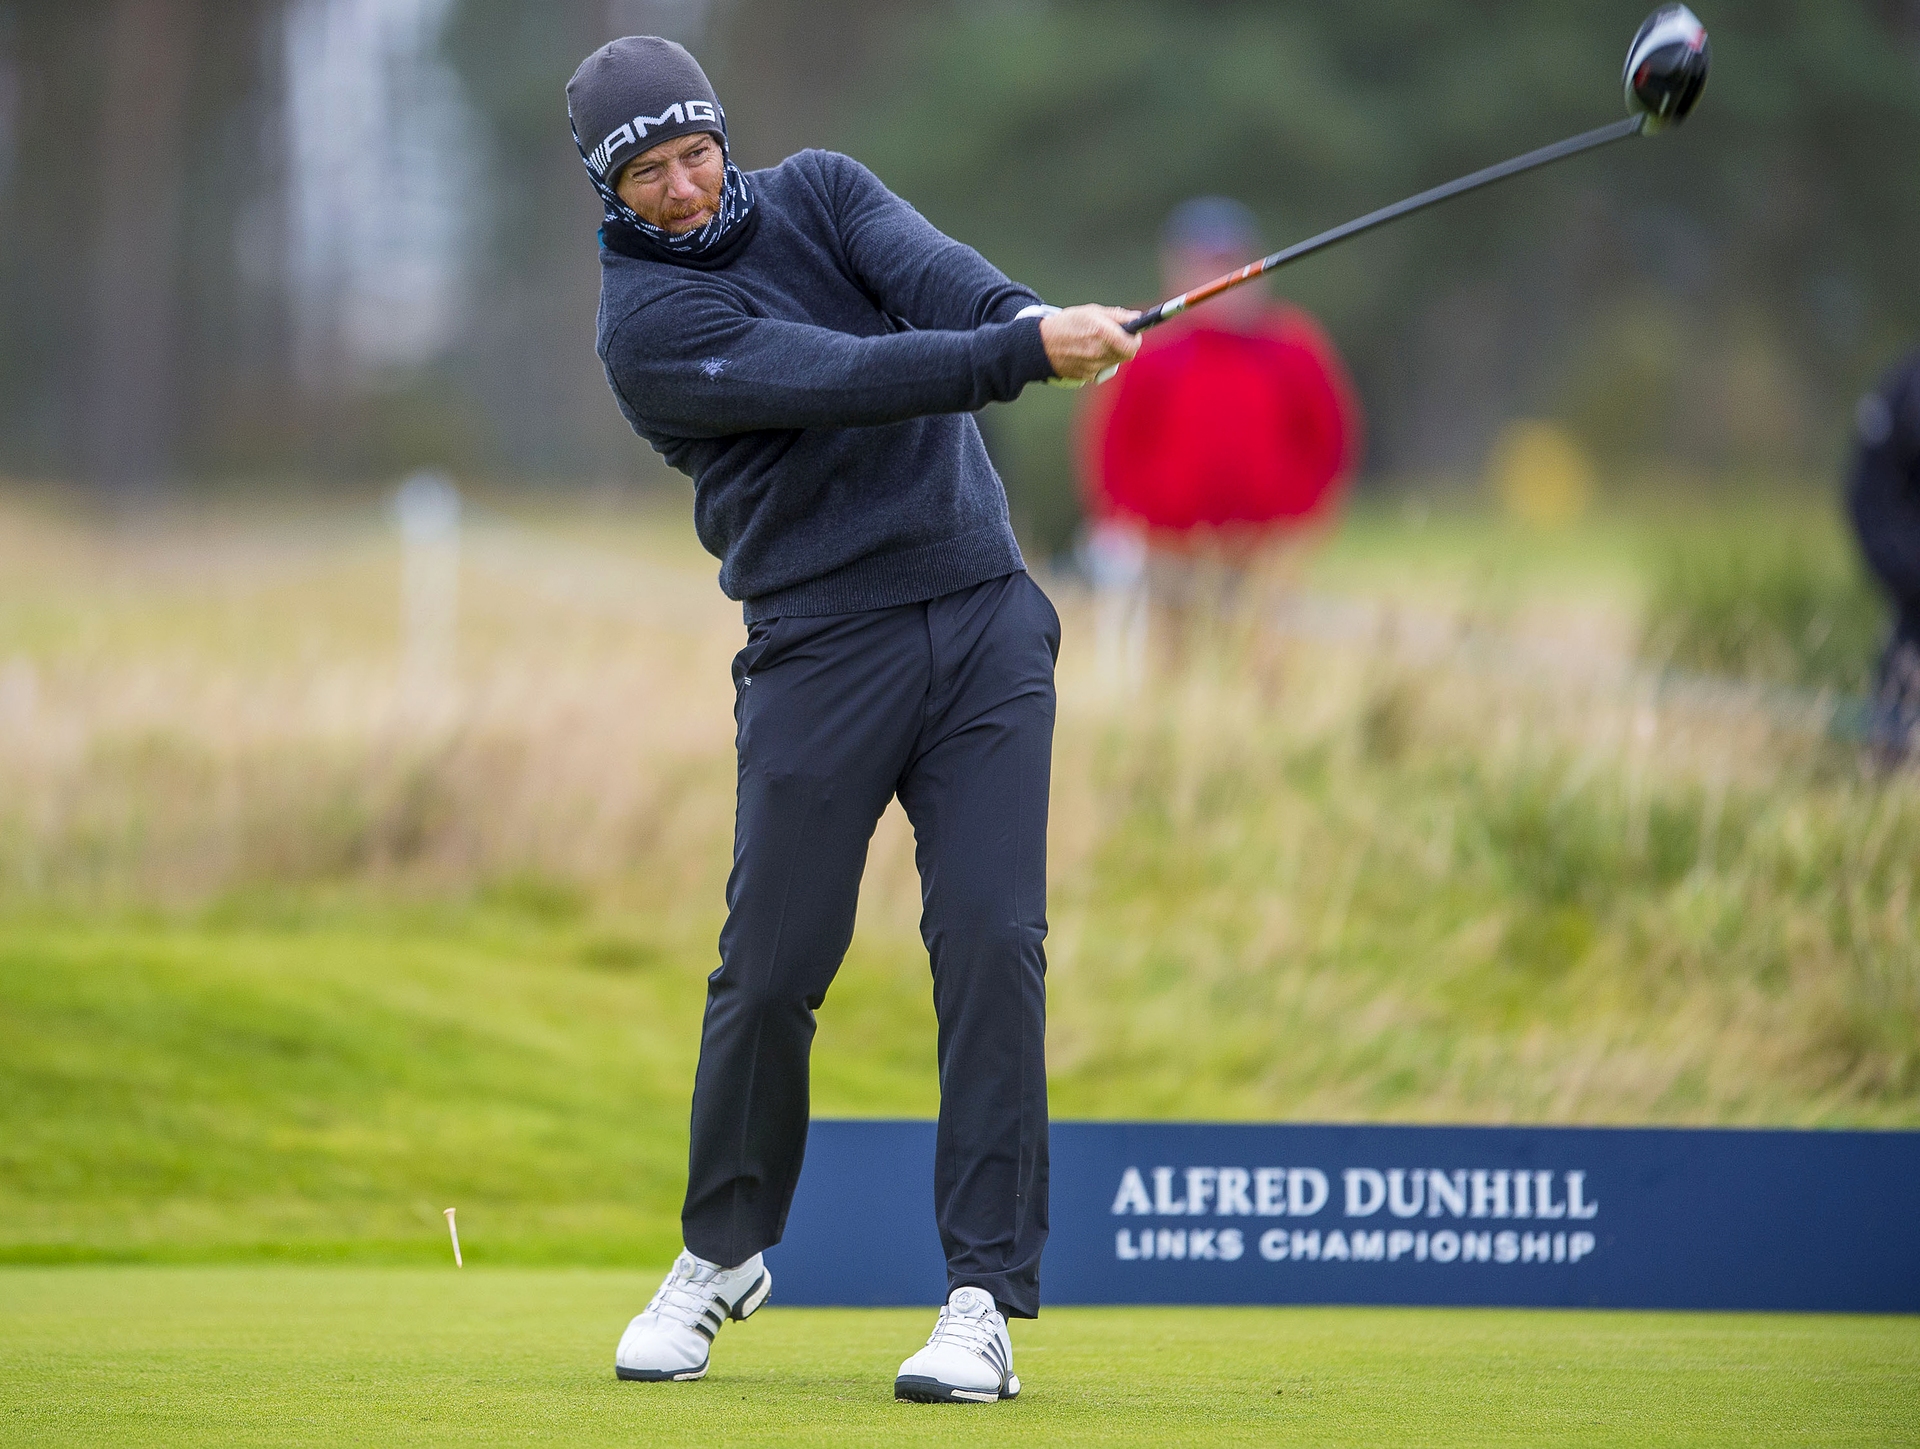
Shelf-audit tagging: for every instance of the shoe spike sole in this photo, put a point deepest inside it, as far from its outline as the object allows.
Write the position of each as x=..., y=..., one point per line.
x=917, y=1390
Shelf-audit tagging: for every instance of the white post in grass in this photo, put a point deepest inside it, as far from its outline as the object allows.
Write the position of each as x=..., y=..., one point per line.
x=1114, y=555
x=427, y=509
x=19, y=695
x=454, y=1233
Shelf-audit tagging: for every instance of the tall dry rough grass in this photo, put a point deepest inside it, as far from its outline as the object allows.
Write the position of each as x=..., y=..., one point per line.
x=1377, y=861
x=189, y=713
x=1354, y=881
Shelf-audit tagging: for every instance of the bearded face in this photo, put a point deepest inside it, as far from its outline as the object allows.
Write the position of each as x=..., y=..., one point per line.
x=676, y=185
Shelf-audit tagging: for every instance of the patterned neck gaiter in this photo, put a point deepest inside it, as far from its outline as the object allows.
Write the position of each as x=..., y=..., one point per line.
x=712, y=245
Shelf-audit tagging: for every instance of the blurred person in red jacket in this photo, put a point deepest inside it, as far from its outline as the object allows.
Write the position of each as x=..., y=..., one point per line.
x=1233, y=431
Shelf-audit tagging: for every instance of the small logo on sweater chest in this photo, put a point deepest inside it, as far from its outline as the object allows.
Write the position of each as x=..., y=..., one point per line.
x=713, y=367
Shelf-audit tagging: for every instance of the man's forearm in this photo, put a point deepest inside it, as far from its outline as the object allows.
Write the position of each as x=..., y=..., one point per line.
x=751, y=375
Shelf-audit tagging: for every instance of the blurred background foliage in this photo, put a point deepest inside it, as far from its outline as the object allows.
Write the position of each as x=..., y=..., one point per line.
x=315, y=243
x=1788, y=609
x=1715, y=299
x=333, y=239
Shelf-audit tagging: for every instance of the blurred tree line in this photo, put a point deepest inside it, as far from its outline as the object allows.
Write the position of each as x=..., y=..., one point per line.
x=332, y=239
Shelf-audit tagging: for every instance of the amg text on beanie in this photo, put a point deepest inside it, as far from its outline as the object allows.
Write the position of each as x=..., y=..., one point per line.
x=632, y=94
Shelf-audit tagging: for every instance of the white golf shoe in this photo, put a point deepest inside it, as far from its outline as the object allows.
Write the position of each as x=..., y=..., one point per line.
x=669, y=1339
x=968, y=1360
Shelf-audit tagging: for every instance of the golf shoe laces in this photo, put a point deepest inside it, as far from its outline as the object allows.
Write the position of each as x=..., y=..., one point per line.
x=973, y=1332
x=688, y=1297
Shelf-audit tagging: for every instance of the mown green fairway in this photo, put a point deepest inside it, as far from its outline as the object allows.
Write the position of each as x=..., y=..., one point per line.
x=318, y=1087
x=403, y=1356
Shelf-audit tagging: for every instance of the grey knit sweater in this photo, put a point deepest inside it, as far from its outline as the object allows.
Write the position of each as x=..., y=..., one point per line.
x=818, y=388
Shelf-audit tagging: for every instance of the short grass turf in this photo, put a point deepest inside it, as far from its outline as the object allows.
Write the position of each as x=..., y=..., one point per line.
x=290, y=1355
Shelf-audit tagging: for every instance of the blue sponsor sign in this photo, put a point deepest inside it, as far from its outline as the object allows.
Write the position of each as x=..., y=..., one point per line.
x=1524, y=1216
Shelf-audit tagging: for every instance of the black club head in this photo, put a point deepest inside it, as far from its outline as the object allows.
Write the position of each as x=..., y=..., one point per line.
x=1667, y=67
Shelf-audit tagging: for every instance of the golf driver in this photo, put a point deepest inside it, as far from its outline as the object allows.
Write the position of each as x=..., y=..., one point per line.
x=1666, y=71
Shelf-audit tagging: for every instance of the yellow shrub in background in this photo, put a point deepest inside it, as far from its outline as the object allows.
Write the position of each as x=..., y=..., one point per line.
x=1542, y=475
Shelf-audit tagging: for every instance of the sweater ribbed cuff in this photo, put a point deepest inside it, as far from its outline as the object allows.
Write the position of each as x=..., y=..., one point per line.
x=1034, y=366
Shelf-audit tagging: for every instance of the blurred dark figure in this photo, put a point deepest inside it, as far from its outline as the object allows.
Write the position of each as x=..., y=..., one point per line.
x=1211, y=452
x=1883, y=495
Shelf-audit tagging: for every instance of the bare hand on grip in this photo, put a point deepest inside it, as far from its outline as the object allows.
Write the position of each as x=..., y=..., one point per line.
x=1083, y=342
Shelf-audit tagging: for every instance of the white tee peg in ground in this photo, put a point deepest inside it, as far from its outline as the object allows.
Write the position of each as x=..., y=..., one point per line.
x=454, y=1233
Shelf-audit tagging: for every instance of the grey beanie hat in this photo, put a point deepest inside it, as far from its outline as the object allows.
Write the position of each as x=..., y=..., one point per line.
x=632, y=94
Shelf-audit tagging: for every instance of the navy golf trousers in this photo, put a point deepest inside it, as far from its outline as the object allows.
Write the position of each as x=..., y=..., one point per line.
x=949, y=705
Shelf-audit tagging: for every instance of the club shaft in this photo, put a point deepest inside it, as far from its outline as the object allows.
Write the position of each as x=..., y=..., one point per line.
x=1545, y=156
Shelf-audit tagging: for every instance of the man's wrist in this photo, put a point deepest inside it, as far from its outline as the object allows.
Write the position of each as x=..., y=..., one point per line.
x=1039, y=312
x=1032, y=362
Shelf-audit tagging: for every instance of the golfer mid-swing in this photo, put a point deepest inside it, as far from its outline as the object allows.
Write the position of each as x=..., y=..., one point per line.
x=808, y=349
